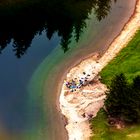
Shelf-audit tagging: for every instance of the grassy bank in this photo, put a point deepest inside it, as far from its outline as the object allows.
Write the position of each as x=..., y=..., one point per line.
x=102, y=131
x=127, y=62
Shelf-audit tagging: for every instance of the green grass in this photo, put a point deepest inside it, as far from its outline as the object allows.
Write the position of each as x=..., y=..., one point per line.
x=102, y=131
x=127, y=62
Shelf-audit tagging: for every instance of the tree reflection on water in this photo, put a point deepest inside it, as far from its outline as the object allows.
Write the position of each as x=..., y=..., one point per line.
x=22, y=20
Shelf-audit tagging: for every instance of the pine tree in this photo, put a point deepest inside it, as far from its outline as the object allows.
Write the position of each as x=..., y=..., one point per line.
x=136, y=83
x=116, y=95
x=123, y=99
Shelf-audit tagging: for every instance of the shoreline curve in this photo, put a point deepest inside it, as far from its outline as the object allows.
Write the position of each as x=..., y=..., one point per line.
x=78, y=107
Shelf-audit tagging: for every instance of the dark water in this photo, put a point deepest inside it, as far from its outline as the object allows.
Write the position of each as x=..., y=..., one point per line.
x=15, y=113
x=39, y=40
x=28, y=18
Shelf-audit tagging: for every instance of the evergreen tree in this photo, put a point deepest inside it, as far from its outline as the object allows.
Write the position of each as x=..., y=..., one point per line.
x=123, y=99
x=136, y=83
x=115, y=96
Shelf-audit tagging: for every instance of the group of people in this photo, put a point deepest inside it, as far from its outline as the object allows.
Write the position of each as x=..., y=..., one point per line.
x=73, y=85
x=76, y=84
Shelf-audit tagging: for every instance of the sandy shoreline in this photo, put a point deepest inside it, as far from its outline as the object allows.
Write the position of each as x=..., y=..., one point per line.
x=79, y=106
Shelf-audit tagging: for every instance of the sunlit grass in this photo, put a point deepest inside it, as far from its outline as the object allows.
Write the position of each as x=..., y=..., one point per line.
x=127, y=62
x=102, y=131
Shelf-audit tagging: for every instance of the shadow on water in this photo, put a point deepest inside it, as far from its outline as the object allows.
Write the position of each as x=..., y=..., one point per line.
x=22, y=20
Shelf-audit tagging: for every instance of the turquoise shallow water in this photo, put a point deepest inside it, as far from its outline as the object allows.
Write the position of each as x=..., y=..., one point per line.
x=44, y=86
